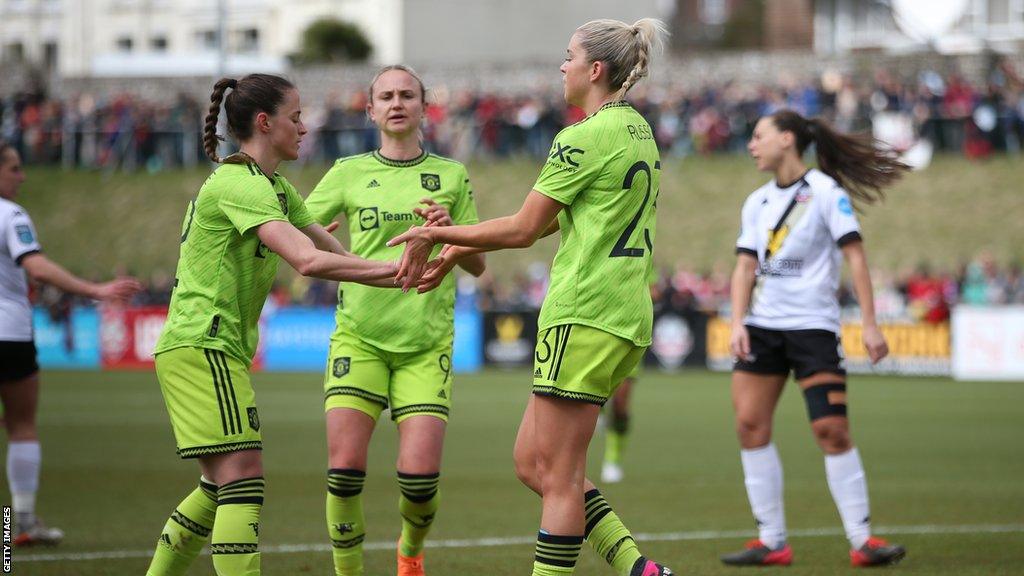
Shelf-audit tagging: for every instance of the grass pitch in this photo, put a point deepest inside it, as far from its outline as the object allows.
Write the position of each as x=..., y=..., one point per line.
x=944, y=462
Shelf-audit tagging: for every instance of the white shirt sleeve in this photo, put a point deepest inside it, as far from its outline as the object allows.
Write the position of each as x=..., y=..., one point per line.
x=21, y=236
x=747, y=242
x=841, y=218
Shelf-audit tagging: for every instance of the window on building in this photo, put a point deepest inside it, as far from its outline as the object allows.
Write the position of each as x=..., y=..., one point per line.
x=714, y=12
x=158, y=43
x=50, y=55
x=14, y=52
x=973, y=17
x=249, y=40
x=207, y=39
x=998, y=11
x=124, y=44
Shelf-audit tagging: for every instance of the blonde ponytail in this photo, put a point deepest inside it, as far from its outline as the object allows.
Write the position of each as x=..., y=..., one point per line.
x=626, y=49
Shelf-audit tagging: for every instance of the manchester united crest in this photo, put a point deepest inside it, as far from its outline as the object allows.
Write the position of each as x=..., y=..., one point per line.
x=430, y=182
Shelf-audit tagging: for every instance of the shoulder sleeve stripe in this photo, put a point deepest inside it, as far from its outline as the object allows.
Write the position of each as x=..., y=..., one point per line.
x=26, y=254
x=748, y=251
x=849, y=238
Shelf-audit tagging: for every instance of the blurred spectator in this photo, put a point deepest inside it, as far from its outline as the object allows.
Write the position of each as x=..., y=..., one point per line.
x=112, y=131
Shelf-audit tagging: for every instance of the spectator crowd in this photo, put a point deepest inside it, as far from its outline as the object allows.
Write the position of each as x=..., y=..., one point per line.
x=125, y=131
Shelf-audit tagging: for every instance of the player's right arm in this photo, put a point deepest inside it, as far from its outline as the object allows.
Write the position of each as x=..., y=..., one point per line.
x=301, y=254
x=743, y=278
x=451, y=255
x=323, y=240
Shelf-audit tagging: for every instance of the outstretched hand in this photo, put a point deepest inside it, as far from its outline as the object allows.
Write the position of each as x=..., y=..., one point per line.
x=436, y=270
x=435, y=214
x=118, y=290
x=418, y=245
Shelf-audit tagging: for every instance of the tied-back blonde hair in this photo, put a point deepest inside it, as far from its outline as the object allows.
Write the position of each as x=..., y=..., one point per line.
x=626, y=49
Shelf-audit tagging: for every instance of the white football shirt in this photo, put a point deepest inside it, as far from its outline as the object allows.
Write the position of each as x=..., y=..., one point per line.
x=17, y=240
x=796, y=233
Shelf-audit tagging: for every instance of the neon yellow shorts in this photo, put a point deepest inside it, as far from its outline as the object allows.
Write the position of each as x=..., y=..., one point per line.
x=210, y=401
x=364, y=377
x=582, y=363
x=635, y=372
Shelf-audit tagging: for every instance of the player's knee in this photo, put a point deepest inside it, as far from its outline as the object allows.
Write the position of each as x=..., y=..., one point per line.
x=753, y=431
x=419, y=463
x=832, y=434
x=526, y=469
x=20, y=429
x=341, y=456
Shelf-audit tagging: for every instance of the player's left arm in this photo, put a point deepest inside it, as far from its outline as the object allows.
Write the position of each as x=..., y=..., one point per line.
x=874, y=340
x=843, y=227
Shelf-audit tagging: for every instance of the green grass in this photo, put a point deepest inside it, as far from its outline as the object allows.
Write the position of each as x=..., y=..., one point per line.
x=944, y=215
x=937, y=453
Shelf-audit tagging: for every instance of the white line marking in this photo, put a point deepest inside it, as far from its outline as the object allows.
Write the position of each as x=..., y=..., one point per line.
x=517, y=541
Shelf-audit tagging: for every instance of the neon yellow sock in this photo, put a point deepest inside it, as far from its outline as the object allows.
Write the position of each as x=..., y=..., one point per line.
x=236, y=531
x=616, y=438
x=345, y=521
x=607, y=535
x=186, y=532
x=418, y=505
x=556, y=555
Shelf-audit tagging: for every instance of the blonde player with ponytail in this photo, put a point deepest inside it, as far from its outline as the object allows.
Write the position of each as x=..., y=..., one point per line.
x=244, y=218
x=599, y=187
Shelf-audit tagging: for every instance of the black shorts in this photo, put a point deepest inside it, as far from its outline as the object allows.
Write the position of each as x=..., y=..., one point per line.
x=17, y=360
x=806, y=352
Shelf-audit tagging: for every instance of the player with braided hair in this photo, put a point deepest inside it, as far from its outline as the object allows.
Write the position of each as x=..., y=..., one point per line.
x=243, y=220
x=599, y=187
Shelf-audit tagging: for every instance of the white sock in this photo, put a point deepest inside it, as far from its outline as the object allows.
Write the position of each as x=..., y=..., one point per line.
x=23, y=460
x=849, y=488
x=762, y=474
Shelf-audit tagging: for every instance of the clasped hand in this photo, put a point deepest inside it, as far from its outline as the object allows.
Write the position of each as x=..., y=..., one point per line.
x=416, y=268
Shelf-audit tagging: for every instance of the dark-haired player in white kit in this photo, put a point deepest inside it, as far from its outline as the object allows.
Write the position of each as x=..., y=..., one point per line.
x=795, y=232
x=20, y=252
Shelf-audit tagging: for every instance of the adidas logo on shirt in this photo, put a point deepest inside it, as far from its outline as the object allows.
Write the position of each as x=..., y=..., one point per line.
x=373, y=184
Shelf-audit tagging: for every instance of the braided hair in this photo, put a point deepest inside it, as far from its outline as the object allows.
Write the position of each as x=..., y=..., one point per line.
x=626, y=49
x=249, y=96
